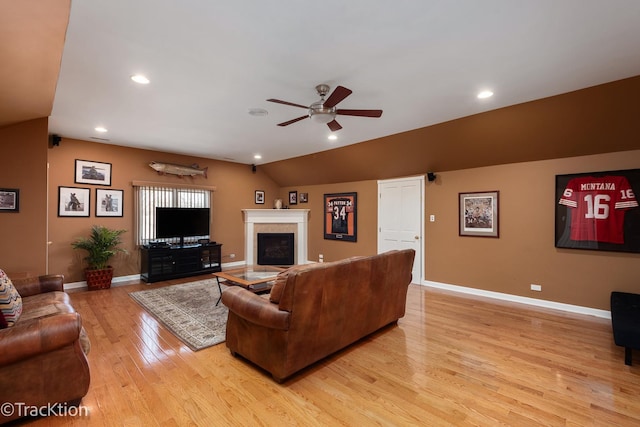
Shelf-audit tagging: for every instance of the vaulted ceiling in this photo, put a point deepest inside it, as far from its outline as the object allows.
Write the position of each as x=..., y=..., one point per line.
x=211, y=63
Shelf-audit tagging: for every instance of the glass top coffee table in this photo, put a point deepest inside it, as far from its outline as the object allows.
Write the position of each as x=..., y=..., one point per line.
x=255, y=278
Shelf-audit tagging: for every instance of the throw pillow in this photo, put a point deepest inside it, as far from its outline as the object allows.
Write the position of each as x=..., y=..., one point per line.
x=10, y=300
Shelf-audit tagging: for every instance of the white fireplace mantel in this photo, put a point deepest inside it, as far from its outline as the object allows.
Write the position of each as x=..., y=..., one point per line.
x=299, y=217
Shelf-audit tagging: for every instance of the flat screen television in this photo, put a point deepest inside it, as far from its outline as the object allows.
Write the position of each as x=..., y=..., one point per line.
x=181, y=223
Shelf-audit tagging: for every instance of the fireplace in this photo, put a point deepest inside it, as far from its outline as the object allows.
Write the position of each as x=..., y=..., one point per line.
x=276, y=249
x=276, y=221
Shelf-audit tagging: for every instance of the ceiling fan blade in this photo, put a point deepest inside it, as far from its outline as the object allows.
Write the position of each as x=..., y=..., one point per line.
x=293, y=121
x=286, y=103
x=334, y=126
x=338, y=95
x=361, y=113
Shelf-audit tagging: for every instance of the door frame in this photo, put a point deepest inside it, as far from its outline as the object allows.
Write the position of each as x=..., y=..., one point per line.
x=421, y=182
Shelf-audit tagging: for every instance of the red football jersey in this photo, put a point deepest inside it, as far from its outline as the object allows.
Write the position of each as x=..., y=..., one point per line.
x=598, y=205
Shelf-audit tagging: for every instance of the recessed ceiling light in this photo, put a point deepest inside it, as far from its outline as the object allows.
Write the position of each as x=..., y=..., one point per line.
x=258, y=112
x=332, y=137
x=485, y=94
x=139, y=78
x=100, y=129
x=257, y=157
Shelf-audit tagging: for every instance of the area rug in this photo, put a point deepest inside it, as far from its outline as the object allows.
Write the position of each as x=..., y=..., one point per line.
x=189, y=311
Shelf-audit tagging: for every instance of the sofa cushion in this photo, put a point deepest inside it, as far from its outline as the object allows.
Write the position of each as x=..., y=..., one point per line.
x=10, y=300
x=45, y=305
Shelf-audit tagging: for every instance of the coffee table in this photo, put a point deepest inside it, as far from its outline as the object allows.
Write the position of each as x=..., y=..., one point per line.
x=255, y=278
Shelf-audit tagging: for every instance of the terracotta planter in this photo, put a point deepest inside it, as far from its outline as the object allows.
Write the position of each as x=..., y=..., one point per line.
x=99, y=279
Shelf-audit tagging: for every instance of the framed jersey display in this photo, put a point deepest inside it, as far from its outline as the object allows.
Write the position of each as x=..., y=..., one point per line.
x=598, y=211
x=340, y=219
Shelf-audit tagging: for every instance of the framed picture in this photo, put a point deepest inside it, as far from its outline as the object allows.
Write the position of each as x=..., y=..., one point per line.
x=304, y=197
x=293, y=197
x=9, y=200
x=340, y=216
x=259, y=197
x=478, y=214
x=598, y=211
x=109, y=202
x=73, y=201
x=88, y=172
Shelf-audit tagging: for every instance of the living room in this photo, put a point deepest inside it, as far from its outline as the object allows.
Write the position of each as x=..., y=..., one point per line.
x=141, y=373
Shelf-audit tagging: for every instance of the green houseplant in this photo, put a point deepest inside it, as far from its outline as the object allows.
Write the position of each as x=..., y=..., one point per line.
x=102, y=244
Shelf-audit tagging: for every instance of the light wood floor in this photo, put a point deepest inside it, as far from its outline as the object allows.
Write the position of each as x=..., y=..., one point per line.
x=452, y=360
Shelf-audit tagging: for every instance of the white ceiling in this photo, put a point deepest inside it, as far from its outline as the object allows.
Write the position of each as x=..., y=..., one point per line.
x=421, y=61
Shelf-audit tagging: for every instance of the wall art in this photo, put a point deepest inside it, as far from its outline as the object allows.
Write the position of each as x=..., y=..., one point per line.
x=340, y=222
x=109, y=202
x=88, y=172
x=9, y=200
x=598, y=211
x=478, y=214
x=259, y=197
x=73, y=201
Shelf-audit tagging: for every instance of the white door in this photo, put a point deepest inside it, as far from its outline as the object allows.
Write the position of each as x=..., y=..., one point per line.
x=401, y=218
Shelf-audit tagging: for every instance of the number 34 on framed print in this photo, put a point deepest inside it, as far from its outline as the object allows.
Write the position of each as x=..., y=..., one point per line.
x=340, y=222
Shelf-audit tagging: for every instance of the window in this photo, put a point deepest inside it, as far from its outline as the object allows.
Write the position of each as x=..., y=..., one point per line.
x=150, y=197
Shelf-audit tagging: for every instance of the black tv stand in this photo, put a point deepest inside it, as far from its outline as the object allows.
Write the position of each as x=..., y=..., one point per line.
x=172, y=262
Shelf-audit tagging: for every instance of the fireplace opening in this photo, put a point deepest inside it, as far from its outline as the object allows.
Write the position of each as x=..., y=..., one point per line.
x=275, y=248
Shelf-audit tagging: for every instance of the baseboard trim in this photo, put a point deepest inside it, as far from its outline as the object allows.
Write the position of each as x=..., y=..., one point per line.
x=116, y=281
x=605, y=314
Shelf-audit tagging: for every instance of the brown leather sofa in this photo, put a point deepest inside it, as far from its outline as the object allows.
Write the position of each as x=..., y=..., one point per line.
x=314, y=310
x=43, y=356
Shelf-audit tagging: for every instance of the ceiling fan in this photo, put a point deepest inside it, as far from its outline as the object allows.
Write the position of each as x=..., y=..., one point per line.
x=325, y=111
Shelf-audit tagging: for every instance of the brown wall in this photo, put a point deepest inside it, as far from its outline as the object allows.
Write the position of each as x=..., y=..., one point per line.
x=235, y=185
x=367, y=219
x=524, y=253
x=23, y=150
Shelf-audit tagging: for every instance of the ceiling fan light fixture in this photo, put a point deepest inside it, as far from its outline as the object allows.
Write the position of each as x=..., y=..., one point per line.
x=322, y=117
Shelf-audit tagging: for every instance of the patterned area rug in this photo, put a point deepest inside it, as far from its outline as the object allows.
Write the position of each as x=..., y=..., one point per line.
x=189, y=311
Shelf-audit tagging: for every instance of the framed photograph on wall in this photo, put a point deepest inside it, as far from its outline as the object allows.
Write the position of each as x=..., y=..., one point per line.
x=259, y=197
x=73, y=201
x=598, y=211
x=304, y=197
x=89, y=172
x=9, y=200
x=109, y=202
x=478, y=214
x=340, y=217
x=293, y=197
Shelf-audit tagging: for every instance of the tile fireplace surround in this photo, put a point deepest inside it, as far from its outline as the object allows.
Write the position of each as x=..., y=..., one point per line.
x=276, y=221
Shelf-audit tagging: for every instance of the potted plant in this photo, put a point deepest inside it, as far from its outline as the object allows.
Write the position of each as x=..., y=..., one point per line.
x=101, y=245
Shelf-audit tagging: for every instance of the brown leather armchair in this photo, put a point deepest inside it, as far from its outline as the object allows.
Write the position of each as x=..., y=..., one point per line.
x=43, y=356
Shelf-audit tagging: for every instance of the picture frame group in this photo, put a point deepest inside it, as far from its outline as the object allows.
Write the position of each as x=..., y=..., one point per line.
x=76, y=202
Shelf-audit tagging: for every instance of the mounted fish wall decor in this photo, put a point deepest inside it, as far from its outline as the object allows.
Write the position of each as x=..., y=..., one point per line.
x=180, y=170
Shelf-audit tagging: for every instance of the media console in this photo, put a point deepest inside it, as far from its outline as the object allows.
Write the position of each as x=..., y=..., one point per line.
x=172, y=262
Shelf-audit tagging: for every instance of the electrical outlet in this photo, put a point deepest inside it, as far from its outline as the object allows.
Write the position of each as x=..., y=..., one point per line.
x=537, y=288
x=320, y=258
x=232, y=256
x=432, y=218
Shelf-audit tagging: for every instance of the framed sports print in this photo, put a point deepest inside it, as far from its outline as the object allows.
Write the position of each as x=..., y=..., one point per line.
x=73, y=201
x=88, y=172
x=598, y=211
x=340, y=217
x=478, y=214
x=9, y=200
x=109, y=202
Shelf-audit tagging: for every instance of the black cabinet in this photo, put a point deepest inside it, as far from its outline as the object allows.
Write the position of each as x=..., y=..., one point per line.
x=164, y=263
